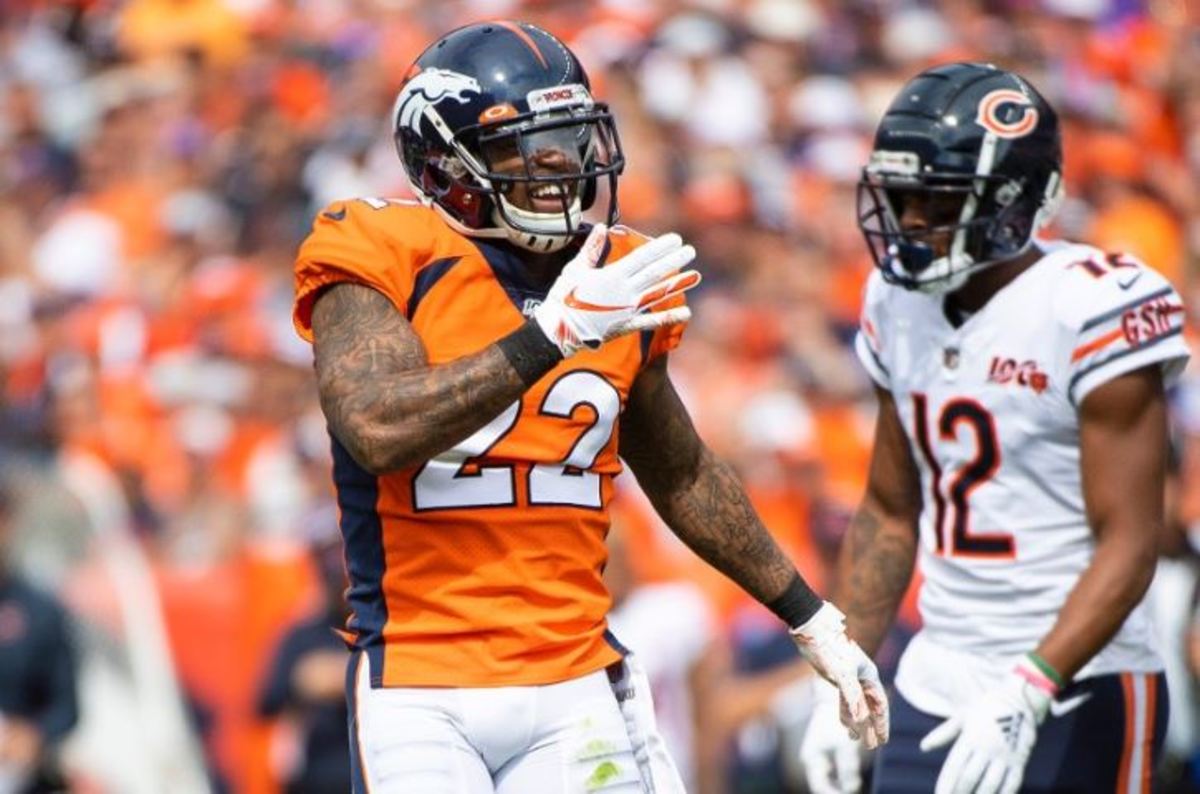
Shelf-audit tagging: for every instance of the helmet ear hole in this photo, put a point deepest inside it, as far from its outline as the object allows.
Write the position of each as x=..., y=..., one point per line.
x=1007, y=193
x=438, y=179
x=1009, y=236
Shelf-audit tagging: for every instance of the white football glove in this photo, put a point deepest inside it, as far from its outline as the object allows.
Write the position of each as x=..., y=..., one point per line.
x=832, y=762
x=589, y=304
x=839, y=660
x=995, y=733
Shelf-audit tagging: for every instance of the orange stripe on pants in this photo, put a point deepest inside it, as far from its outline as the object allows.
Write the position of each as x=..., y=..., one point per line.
x=1127, y=747
x=1148, y=732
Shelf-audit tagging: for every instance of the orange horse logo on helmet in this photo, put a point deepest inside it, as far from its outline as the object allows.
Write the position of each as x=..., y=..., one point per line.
x=1018, y=125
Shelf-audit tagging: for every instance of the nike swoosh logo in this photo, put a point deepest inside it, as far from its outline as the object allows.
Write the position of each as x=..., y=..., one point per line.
x=572, y=302
x=660, y=293
x=1059, y=708
x=1126, y=283
x=340, y=215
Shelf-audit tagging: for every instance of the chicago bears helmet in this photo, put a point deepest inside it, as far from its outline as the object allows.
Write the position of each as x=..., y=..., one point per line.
x=981, y=144
x=499, y=110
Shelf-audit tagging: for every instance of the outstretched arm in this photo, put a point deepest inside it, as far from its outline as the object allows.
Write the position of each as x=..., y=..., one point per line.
x=697, y=495
x=387, y=405
x=880, y=547
x=703, y=503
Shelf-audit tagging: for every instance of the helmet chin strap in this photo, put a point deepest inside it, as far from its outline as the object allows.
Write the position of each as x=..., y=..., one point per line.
x=545, y=243
x=951, y=272
x=958, y=268
x=942, y=275
x=542, y=232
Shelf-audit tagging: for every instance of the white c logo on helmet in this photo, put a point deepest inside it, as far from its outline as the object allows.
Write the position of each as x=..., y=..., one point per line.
x=989, y=113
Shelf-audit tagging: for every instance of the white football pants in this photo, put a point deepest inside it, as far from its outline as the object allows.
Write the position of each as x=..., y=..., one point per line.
x=575, y=737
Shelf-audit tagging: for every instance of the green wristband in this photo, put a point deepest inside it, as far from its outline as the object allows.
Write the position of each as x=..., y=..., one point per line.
x=1044, y=667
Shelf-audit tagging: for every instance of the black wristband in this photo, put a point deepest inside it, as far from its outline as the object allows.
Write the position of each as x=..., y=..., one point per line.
x=797, y=604
x=530, y=352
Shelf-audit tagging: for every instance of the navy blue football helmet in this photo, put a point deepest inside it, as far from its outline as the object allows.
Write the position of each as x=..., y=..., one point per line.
x=499, y=109
x=982, y=145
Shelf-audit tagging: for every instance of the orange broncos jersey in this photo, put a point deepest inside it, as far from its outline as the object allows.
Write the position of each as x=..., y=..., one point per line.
x=480, y=567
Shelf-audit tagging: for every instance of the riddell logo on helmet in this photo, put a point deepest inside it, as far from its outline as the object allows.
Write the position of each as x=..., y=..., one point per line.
x=1018, y=125
x=1025, y=373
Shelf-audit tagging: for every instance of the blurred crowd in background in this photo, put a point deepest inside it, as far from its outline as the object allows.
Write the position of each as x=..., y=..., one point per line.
x=164, y=458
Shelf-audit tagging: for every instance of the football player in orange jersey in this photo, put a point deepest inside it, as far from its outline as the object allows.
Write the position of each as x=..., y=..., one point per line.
x=485, y=359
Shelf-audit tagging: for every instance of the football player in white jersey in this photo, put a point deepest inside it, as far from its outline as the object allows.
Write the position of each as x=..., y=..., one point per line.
x=1019, y=457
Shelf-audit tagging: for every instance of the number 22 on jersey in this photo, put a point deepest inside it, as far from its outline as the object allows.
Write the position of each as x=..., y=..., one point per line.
x=962, y=420
x=445, y=482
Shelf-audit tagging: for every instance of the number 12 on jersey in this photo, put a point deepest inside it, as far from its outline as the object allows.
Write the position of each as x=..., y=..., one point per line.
x=960, y=419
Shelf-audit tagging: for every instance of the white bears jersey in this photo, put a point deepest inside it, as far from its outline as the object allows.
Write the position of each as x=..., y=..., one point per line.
x=991, y=413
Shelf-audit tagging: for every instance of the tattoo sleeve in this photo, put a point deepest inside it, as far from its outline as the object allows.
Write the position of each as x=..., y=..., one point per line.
x=387, y=405
x=697, y=495
x=880, y=547
x=873, y=573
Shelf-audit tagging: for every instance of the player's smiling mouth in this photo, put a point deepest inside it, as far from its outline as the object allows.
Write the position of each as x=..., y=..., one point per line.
x=547, y=197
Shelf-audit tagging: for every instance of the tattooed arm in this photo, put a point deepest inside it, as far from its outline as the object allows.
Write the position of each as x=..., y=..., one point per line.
x=704, y=504
x=880, y=547
x=697, y=495
x=383, y=400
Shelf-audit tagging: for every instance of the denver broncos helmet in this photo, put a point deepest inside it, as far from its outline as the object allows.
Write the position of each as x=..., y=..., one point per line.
x=979, y=142
x=499, y=109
